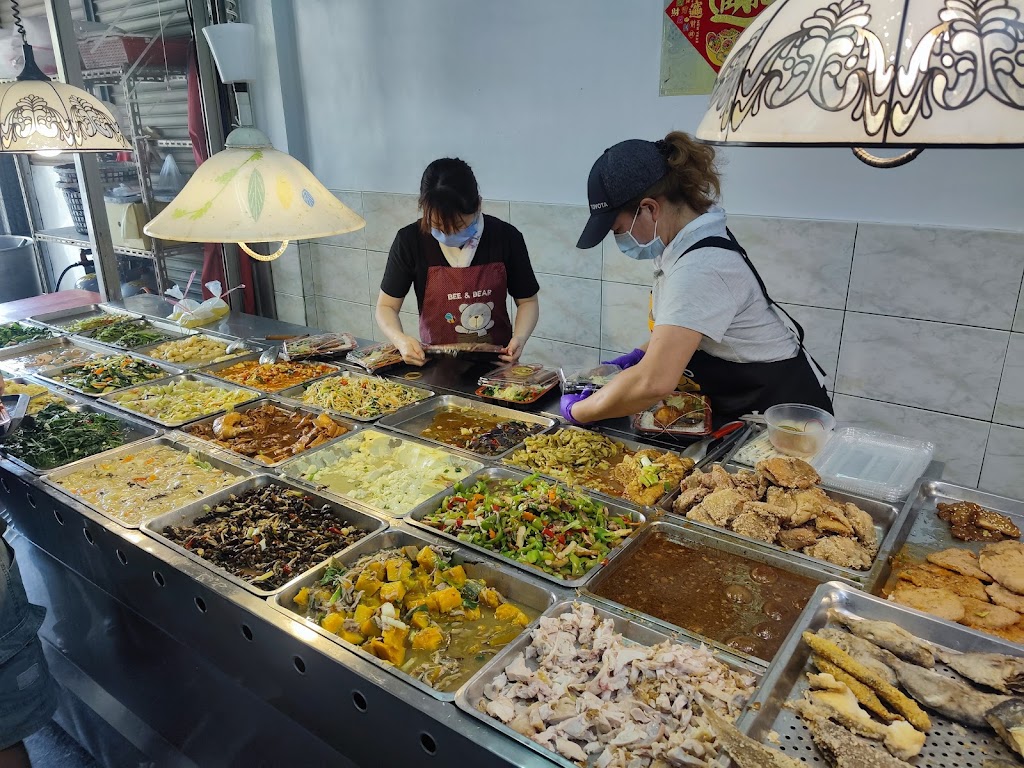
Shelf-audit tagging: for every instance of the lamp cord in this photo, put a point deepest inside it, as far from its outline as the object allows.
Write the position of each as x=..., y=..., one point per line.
x=231, y=9
x=16, y=11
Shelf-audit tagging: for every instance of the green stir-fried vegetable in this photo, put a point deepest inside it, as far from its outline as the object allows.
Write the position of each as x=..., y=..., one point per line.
x=109, y=373
x=130, y=335
x=16, y=333
x=561, y=531
x=96, y=321
x=57, y=436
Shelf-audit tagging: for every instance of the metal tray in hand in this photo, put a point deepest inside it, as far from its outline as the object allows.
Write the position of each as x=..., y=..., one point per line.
x=413, y=419
x=51, y=374
x=136, y=430
x=947, y=743
x=496, y=474
x=113, y=399
x=214, y=369
x=37, y=347
x=190, y=429
x=173, y=442
x=697, y=538
x=632, y=445
x=889, y=524
x=325, y=455
x=62, y=319
x=169, y=332
x=511, y=585
x=296, y=393
x=188, y=514
x=634, y=630
x=248, y=349
x=924, y=532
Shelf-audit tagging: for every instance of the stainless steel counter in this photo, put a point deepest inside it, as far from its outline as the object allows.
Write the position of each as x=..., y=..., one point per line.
x=165, y=659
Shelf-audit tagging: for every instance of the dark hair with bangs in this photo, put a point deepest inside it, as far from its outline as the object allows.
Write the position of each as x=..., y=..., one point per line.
x=448, y=191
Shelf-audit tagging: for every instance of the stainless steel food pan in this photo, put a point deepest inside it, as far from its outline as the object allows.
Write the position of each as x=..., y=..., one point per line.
x=946, y=744
x=700, y=539
x=413, y=419
x=214, y=369
x=634, y=630
x=190, y=429
x=325, y=455
x=112, y=398
x=60, y=320
x=889, y=524
x=497, y=474
x=35, y=347
x=188, y=514
x=509, y=583
x=296, y=393
x=245, y=351
x=184, y=446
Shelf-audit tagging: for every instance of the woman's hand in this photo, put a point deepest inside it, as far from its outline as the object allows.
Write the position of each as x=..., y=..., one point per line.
x=513, y=351
x=411, y=350
x=568, y=401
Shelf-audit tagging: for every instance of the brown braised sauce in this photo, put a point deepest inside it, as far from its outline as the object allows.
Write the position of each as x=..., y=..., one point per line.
x=724, y=597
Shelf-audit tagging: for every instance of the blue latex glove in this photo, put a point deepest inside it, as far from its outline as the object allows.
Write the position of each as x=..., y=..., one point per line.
x=568, y=401
x=626, y=361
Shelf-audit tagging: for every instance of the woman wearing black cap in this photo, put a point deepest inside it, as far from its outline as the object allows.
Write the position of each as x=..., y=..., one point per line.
x=462, y=264
x=711, y=319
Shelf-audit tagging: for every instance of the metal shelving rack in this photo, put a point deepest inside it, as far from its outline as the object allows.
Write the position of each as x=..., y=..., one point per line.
x=127, y=77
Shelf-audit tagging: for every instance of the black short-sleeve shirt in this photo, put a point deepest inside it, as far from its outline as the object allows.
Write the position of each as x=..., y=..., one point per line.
x=415, y=251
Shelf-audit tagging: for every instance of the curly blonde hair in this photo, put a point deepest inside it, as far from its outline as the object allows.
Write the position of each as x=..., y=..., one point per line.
x=693, y=176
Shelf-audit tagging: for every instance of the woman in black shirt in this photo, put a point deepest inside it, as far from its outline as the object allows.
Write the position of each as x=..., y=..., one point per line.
x=462, y=264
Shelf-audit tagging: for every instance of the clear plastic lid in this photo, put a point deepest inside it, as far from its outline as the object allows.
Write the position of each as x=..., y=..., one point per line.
x=873, y=464
x=519, y=373
x=588, y=378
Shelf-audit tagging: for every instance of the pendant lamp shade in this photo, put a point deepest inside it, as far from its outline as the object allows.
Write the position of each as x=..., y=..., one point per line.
x=874, y=73
x=42, y=115
x=252, y=193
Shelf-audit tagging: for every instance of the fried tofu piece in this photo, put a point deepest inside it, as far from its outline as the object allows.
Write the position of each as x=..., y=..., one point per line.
x=831, y=520
x=756, y=526
x=789, y=472
x=723, y=506
x=938, y=602
x=1004, y=597
x=688, y=499
x=863, y=526
x=841, y=551
x=928, y=575
x=1004, y=562
x=797, y=538
x=983, y=615
x=962, y=561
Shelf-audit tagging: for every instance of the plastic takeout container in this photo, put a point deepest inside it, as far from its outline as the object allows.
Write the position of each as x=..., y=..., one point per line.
x=588, y=378
x=873, y=464
x=527, y=374
x=799, y=430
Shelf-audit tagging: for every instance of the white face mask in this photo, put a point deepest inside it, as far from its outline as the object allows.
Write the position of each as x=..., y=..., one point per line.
x=634, y=249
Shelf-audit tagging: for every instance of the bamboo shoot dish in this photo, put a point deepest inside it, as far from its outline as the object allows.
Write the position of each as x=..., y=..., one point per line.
x=413, y=608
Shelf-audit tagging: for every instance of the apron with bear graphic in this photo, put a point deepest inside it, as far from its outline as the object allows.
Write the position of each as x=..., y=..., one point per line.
x=466, y=304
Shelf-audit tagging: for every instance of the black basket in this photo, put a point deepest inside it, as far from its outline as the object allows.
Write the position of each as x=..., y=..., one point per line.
x=111, y=174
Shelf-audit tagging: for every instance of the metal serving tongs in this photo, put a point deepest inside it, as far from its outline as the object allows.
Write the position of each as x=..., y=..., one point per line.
x=12, y=411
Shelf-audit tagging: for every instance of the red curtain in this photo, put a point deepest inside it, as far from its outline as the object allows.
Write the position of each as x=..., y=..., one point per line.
x=213, y=253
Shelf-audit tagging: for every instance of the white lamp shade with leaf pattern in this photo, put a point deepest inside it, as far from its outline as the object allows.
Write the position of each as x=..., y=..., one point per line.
x=874, y=73
x=252, y=193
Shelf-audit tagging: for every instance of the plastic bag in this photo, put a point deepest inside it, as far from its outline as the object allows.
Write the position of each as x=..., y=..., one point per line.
x=189, y=313
x=170, y=179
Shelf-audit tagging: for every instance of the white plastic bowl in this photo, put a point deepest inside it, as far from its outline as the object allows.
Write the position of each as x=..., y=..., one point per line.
x=798, y=430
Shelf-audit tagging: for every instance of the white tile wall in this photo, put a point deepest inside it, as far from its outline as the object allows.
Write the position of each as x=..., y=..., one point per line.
x=290, y=308
x=951, y=275
x=911, y=323
x=287, y=270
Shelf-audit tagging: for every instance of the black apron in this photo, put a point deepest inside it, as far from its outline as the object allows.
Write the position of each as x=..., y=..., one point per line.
x=736, y=389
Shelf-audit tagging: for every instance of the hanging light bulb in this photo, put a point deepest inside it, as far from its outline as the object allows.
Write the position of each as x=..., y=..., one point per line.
x=49, y=117
x=252, y=193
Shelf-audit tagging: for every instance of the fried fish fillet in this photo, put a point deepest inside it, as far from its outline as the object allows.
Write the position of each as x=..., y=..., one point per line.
x=962, y=561
x=1004, y=562
x=983, y=615
x=831, y=520
x=928, y=575
x=789, y=472
x=1004, y=597
x=938, y=602
x=797, y=538
x=863, y=526
x=763, y=527
x=780, y=497
x=689, y=498
x=722, y=506
x=841, y=551
x=809, y=504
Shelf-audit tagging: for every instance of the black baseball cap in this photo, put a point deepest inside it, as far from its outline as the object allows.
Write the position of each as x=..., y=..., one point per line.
x=622, y=173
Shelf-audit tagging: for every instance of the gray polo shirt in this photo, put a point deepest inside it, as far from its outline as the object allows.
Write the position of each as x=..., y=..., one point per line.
x=712, y=291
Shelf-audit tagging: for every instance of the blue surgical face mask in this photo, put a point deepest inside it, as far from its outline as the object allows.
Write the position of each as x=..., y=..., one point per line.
x=634, y=249
x=457, y=239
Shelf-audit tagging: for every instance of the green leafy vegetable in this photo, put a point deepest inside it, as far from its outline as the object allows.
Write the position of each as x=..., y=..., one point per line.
x=57, y=435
